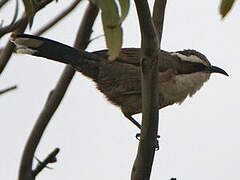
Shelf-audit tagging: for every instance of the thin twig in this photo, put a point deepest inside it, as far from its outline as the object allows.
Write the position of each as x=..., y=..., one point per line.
x=91, y=40
x=58, y=18
x=15, y=26
x=8, y=89
x=18, y=27
x=9, y=48
x=149, y=74
x=51, y=158
x=4, y=30
x=3, y=2
x=55, y=96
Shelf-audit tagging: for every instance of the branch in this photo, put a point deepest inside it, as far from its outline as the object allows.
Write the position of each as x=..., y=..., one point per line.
x=51, y=158
x=8, y=89
x=17, y=27
x=9, y=48
x=53, y=22
x=5, y=29
x=150, y=43
x=158, y=16
x=150, y=97
x=58, y=18
x=3, y=2
x=55, y=96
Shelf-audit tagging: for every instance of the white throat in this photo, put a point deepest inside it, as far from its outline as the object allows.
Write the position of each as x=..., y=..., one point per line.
x=180, y=86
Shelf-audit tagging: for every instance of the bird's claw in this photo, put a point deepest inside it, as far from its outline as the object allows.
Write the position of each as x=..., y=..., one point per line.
x=138, y=136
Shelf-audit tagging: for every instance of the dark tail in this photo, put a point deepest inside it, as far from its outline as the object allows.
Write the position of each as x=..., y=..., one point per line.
x=85, y=62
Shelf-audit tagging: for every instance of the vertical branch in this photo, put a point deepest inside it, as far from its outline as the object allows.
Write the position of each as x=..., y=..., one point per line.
x=158, y=16
x=150, y=96
x=55, y=96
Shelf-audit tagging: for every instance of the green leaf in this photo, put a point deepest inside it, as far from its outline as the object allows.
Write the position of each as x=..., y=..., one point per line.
x=113, y=38
x=30, y=10
x=124, y=5
x=225, y=7
x=111, y=26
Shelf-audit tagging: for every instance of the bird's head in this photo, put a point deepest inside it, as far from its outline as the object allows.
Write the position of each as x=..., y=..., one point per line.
x=191, y=70
x=197, y=61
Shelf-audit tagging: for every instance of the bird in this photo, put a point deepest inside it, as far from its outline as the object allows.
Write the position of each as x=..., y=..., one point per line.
x=181, y=73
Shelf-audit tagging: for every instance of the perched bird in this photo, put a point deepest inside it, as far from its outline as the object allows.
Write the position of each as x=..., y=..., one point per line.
x=181, y=73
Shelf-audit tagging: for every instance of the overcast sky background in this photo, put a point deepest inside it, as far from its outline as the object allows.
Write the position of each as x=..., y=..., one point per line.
x=199, y=139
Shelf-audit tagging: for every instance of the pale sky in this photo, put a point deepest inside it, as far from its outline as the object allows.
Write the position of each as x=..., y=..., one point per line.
x=199, y=139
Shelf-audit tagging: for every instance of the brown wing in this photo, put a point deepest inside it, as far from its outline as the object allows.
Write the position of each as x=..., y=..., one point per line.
x=132, y=56
x=126, y=55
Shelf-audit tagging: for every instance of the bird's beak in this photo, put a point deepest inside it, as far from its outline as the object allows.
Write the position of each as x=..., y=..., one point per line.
x=215, y=69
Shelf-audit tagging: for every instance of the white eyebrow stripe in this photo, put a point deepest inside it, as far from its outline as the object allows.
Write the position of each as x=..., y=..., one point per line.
x=191, y=58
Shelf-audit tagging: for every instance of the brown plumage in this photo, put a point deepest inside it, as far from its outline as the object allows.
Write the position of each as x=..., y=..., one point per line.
x=181, y=73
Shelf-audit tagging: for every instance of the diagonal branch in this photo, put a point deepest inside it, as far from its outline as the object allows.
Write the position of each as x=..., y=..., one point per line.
x=149, y=65
x=55, y=96
x=58, y=18
x=51, y=158
x=8, y=89
x=3, y=2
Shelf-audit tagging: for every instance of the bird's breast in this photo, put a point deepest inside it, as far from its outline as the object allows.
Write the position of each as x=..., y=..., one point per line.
x=175, y=88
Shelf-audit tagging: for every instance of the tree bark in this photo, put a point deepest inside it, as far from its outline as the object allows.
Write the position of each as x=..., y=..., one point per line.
x=150, y=97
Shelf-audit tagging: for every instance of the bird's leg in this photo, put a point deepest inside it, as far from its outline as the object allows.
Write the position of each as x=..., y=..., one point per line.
x=133, y=120
x=139, y=126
